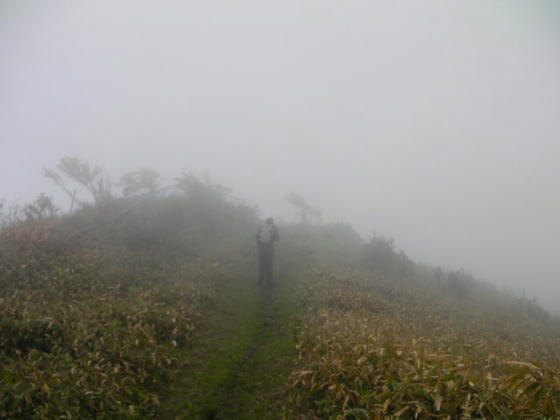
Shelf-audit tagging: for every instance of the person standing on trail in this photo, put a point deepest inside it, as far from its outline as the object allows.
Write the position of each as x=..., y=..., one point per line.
x=266, y=236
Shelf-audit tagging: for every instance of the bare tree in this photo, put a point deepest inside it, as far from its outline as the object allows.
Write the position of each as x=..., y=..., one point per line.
x=8, y=215
x=143, y=181
x=193, y=187
x=39, y=209
x=307, y=213
x=80, y=172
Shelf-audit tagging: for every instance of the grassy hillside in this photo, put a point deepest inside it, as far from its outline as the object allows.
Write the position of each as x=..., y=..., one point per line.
x=371, y=348
x=97, y=308
x=146, y=306
x=91, y=329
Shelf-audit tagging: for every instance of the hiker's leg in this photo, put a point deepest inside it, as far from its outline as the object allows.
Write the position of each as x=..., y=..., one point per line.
x=269, y=266
x=262, y=265
x=272, y=266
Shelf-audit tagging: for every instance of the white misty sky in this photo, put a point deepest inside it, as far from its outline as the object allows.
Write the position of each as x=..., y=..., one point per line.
x=434, y=122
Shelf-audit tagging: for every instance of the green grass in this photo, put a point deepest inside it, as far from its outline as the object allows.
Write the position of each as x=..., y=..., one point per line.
x=97, y=330
x=241, y=360
x=75, y=345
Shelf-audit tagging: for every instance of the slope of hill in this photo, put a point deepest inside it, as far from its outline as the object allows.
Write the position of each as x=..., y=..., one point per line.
x=97, y=307
x=371, y=348
x=90, y=329
x=147, y=307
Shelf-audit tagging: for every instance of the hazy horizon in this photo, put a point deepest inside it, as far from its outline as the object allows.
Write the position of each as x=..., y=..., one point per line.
x=432, y=123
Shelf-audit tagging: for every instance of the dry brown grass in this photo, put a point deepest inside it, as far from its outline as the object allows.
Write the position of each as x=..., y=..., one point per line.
x=373, y=350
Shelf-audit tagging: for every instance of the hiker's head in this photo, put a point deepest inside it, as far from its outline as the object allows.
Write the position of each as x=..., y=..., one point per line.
x=269, y=220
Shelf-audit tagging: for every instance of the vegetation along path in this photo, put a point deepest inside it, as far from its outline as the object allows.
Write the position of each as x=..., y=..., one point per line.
x=240, y=362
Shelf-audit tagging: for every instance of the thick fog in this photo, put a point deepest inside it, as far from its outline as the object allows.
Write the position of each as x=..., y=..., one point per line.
x=435, y=123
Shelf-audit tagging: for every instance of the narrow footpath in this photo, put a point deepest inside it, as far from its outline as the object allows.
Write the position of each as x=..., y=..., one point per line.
x=239, y=363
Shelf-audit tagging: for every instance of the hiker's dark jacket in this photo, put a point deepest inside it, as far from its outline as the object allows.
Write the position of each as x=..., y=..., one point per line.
x=266, y=255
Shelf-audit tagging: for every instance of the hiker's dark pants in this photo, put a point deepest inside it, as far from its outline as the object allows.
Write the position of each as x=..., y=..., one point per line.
x=266, y=263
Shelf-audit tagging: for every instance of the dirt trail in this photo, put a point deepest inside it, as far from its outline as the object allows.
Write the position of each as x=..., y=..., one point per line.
x=239, y=363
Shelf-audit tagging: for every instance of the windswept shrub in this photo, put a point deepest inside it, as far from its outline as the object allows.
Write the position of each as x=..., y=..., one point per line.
x=460, y=283
x=379, y=254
